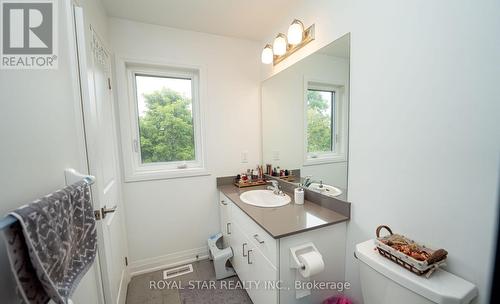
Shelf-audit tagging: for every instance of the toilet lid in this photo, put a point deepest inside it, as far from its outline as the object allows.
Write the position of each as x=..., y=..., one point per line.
x=442, y=287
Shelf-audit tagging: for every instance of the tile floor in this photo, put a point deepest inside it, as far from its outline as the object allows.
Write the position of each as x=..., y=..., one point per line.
x=185, y=289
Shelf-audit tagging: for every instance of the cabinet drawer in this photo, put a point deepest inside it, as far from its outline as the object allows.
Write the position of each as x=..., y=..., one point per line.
x=223, y=200
x=256, y=235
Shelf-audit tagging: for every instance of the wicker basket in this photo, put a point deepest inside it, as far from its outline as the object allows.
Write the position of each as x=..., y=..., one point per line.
x=436, y=257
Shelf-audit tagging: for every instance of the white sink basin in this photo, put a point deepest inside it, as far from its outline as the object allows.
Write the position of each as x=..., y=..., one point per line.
x=325, y=189
x=264, y=198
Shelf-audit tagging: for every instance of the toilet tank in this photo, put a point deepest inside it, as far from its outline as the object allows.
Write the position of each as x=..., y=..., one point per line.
x=383, y=281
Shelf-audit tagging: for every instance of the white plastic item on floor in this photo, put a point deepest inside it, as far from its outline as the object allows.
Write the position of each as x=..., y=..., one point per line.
x=383, y=281
x=220, y=257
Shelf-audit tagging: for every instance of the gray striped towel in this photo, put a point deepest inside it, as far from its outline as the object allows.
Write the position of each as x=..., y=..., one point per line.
x=53, y=244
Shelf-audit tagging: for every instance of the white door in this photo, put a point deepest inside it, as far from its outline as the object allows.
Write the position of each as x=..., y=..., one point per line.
x=100, y=133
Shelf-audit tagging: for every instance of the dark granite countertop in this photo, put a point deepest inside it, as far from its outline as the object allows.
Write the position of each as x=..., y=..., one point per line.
x=286, y=220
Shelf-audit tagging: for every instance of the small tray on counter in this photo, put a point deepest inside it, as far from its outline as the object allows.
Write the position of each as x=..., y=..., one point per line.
x=244, y=184
x=288, y=178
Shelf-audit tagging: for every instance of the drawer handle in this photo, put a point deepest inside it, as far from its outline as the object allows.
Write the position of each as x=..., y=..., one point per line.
x=227, y=228
x=244, y=244
x=223, y=202
x=248, y=256
x=256, y=237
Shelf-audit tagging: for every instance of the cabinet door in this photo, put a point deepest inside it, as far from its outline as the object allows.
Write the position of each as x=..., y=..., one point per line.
x=239, y=244
x=224, y=210
x=263, y=272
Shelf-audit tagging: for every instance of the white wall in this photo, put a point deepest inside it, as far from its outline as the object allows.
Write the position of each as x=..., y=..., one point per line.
x=41, y=135
x=283, y=116
x=171, y=219
x=424, y=149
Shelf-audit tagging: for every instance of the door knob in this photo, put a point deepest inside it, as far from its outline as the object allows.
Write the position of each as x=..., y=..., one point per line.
x=105, y=210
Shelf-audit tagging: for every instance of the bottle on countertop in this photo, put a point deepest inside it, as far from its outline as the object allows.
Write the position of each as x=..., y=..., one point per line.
x=256, y=173
x=269, y=170
x=261, y=172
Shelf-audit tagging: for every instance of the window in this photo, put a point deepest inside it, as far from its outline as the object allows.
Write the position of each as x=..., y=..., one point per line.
x=320, y=121
x=165, y=110
x=325, y=117
x=164, y=124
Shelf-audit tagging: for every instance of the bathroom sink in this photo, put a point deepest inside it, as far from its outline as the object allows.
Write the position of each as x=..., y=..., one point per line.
x=325, y=189
x=264, y=198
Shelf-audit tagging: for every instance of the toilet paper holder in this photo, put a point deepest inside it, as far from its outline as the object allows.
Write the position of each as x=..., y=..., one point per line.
x=298, y=250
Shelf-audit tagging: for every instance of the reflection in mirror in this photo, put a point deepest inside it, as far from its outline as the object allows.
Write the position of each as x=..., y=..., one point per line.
x=305, y=112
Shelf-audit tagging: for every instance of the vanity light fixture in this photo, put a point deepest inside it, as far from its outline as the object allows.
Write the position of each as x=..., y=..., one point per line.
x=280, y=45
x=267, y=54
x=284, y=46
x=295, y=32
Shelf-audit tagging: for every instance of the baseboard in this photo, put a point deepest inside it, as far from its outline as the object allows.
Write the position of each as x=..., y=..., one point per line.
x=122, y=290
x=170, y=260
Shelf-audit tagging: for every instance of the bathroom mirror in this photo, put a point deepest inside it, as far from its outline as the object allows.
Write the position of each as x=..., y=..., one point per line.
x=305, y=118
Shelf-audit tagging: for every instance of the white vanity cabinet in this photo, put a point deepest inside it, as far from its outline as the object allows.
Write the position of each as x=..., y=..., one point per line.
x=254, y=252
x=258, y=258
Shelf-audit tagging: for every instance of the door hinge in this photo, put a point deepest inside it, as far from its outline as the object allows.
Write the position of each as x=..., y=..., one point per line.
x=126, y=261
x=109, y=83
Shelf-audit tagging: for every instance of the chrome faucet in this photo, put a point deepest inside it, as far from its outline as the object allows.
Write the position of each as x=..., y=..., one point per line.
x=307, y=181
x=275, y=187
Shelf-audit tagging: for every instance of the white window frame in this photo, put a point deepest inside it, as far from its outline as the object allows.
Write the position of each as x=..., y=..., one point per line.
x=134, y=169
x=339, y=136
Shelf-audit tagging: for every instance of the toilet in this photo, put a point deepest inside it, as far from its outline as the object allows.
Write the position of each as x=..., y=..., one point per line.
x=384, y=282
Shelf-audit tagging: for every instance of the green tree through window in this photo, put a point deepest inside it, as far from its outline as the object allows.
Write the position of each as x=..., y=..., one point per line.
x=319, y=121
x=166, y=127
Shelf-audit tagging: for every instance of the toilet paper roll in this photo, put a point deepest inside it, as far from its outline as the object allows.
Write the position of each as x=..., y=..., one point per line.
x=313, y=263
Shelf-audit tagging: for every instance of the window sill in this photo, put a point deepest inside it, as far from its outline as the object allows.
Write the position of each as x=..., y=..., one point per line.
x=150, y=175
x=325, y=159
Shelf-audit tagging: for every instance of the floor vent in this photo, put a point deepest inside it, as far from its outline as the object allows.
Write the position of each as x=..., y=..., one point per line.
x=177, y=271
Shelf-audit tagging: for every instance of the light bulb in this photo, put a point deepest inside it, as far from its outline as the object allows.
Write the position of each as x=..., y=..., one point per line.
x=295, y=32
x=267, y=54
x=279, y=45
